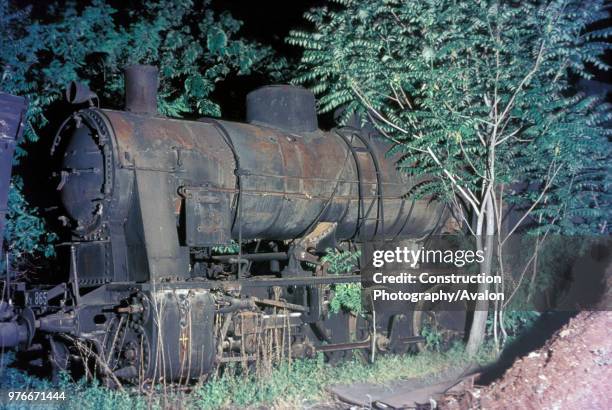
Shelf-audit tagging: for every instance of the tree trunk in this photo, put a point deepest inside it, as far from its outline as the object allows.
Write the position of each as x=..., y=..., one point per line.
x=479, y=321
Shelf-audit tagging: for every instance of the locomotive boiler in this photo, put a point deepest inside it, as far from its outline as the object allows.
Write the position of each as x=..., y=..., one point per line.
x=192, y=239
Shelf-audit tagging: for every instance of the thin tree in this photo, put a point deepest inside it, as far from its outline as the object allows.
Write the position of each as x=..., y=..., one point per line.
x=478, y=95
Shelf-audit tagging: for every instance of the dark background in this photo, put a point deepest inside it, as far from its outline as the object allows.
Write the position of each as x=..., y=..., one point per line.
x=268, y=22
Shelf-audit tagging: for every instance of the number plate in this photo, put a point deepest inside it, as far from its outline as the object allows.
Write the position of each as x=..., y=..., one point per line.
x=37, y=298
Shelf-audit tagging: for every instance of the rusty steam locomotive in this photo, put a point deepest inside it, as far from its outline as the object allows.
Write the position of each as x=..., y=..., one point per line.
x=150, y=198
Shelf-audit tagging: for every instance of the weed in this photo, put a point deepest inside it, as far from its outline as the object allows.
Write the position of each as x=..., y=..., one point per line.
x=294, y=384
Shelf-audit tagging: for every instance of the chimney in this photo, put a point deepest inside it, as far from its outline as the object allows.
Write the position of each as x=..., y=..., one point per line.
x=141, y=89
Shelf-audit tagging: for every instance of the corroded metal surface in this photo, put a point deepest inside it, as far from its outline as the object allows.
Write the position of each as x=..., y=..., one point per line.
x=282, y=106
x=289, y=182
x=141, y=89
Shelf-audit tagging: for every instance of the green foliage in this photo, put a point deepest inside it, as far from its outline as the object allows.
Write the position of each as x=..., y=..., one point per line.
x=294, y=384
x=193, y=49
x=26, y=234
x=11, y=377
x=515, y=322
x=78, y=395
x=433, y=337
x=346, y=296
x=299, y=383
x=479, y=90
x=341, y=261
x=91, y=42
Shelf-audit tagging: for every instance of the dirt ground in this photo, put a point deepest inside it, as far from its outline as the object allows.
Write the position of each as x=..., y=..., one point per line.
x=573, y=370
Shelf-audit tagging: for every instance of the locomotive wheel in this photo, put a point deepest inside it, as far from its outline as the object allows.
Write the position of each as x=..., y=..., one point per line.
x=401, y=326
x=337, y=328
x=127, y=351
x=442, y=323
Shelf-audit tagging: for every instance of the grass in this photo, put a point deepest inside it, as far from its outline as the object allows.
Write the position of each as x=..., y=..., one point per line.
x=288, y=385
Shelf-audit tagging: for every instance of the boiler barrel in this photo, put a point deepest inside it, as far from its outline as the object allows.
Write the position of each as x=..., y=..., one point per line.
x=291, y=182
x=288, y=182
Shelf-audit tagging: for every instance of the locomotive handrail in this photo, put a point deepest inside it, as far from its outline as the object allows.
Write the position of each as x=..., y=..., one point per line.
x=57, y=138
